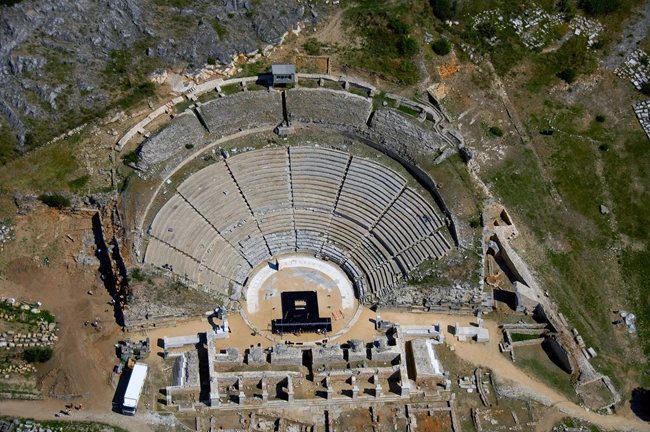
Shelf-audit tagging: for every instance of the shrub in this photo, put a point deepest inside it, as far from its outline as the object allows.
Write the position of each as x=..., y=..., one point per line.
x=189, y=146
x=137, y=275
x=567, y=8
x=131, y=158
x=568, y=75
x=441, y=47
x=407, y=47
x=312, y=46
x=212, y=61
x=220, y=29
x=399, y=27
x=645, y=88
x=142, y=91
x=56, y=201
x=487, y=29
x=496, y=131
x=443, y=9
x=603, y=147
x=600, y=7
x=37, y=354
x=601, y=118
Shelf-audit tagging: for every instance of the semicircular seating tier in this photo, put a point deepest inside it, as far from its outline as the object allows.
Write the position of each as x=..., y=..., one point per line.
x=228, y=218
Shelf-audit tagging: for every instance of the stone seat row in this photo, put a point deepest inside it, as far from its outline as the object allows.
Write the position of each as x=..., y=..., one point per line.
x=189, y=270
x=263, y=178
x=374, y=223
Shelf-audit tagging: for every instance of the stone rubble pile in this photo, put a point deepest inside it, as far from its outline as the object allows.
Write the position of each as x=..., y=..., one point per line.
x=534, y=28
x=45, y=337
x=22, y=425
x=7, y=233
x=589, y=28
x=642, y=111
x=636, y=68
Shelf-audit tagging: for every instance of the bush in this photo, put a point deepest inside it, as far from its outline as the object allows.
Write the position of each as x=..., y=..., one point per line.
x=645, y=88
x=220, y=29
x=189, y=146
x=441, y=47
x=312, y=46
x=212, y=61
x=137, y=275
x=131, y=158
x=603, y=147
x=601, y=118
x=56, y=201
x=600, y=7
x=399, y=27
x=567, y=8
x=443, y=9
x=142, y=91
x=37, y=354
x=568, y=75
x=407, y=47
x=496, y=131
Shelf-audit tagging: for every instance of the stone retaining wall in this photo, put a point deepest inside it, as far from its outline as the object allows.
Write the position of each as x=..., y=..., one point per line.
x=330, y=107
x=240, y=111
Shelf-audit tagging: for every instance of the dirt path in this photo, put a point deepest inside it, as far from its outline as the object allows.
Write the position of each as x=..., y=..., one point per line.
x=332, y=32
x=45, y=409
x=635, y=28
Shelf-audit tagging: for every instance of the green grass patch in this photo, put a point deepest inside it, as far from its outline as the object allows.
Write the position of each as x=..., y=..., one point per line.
x=77, y=184
x=71, y=426
x=379, y=99
x=534, y=360
x=313, y=47
x=26, y=317
x=138, y=94
x=231, y=89
x=567, y=63
x=385, y=30
x=407, y=110
x=221, y=30
x=519, y=337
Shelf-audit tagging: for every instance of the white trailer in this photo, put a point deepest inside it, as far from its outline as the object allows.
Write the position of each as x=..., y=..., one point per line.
x=134, y=389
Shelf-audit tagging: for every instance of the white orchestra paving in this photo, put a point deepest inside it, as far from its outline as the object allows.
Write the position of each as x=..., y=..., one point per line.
x=252, y=208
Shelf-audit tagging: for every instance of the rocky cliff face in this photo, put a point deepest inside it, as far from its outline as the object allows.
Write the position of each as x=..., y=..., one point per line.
x=54, y=53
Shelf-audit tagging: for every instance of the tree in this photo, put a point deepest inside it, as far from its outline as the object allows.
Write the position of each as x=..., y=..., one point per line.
x=496, y=131
x=399, y=27
x=441, y=47
x=56, y=201
x=600, y=7
x=568, y=75
x=443, y=9
x=37, y=354
x=645, y=88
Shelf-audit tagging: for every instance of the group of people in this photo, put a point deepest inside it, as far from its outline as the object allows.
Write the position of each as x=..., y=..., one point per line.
x=68, y=409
